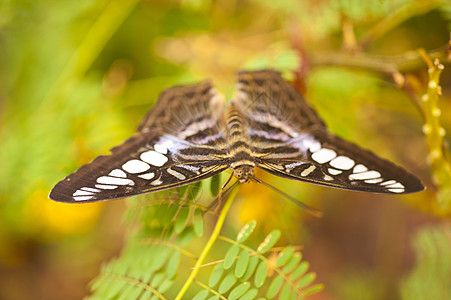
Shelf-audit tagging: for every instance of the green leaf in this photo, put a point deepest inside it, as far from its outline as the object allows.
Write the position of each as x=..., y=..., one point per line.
x=198, y=223
x=227, y=283
x=260, y=274
x=115, y=289
x=269, y=241
x=126, y=292
x=165, y=215
x=134, y=293
x=274, y=287
x=215, y=184
x=242, y=263
x=194, y=190
x=286, y=291
x=246, y=231
x=158, y=279
x=306, y=280
x=250, y=295
x=186, y=236
x=165, y=285
x=172, y=265
x=284, y=256
x=216, y=275
x=292, y=263
x=314, y=289
x=161, y=254
x=146, y=295
x=214, y=298
x=253, y=261
x=201, y=295
x=182, y=219
x=239, y=290
x=230, y=256
x=300, y=270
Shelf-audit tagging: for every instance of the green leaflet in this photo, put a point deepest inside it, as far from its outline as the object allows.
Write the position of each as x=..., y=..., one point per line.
x=246, y=231
x=242, y=263
x=270, y=240
x=215, y=184
x=216, y=275
x=230, y=256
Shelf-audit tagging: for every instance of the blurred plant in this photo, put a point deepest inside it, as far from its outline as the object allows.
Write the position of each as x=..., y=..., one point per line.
x=430, y=279
x=76, y=74
x=153, y=264
x=439, y=155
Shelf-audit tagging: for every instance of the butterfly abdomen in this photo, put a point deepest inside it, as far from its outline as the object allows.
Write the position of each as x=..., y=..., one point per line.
x=240, y=153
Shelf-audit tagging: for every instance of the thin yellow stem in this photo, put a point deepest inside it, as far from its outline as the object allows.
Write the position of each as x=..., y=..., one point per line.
x=209, y=245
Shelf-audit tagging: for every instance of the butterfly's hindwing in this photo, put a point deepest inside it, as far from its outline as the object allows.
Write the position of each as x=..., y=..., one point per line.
x=290, y=140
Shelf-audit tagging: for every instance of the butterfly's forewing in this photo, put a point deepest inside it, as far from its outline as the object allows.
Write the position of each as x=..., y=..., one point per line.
x=179, y=142
x=289, y=140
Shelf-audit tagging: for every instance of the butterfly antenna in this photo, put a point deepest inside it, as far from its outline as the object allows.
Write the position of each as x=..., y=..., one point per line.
x=314, y=211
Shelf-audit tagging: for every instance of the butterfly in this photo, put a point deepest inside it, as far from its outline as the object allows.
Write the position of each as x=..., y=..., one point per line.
x=191, y=134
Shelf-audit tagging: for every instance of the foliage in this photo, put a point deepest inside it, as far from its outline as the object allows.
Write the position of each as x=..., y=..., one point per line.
x=76, y=76
x=431, y=276
x=155, y=257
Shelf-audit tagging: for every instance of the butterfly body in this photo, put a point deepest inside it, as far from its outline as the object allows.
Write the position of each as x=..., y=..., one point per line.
x=192, y=133
x=241, y=155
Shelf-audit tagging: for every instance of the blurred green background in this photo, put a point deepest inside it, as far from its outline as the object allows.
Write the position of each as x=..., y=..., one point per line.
x=76, y=76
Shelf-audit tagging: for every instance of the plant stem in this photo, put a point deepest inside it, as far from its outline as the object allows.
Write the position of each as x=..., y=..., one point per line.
x=209, y=245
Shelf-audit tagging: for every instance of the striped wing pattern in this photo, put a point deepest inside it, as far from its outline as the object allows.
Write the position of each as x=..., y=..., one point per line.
x=179, y=142
x=290, y=140
x=189, y=135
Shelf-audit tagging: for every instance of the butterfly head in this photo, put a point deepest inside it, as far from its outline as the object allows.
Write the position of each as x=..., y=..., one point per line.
x=244, y=173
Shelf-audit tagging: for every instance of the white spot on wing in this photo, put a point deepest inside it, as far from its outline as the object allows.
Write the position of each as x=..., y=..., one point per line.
x=328, y=178
x=365, y=175
x=396, y=186
x=154, y=158
x=106, y=186
x=81, y=193
x=389, y=182
x=312, y=144
x=307, y=171
x=396, y=190
x=334, y=171
x=342, y=162
x=118, y=173
x=147, y=176
x=82, y=198
x=360, y=168
x=163, y=147
x=135, y=166
x=323, y=155
x=377, y=180
x=176, y=174
x=114, y=180
x=156, y=182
